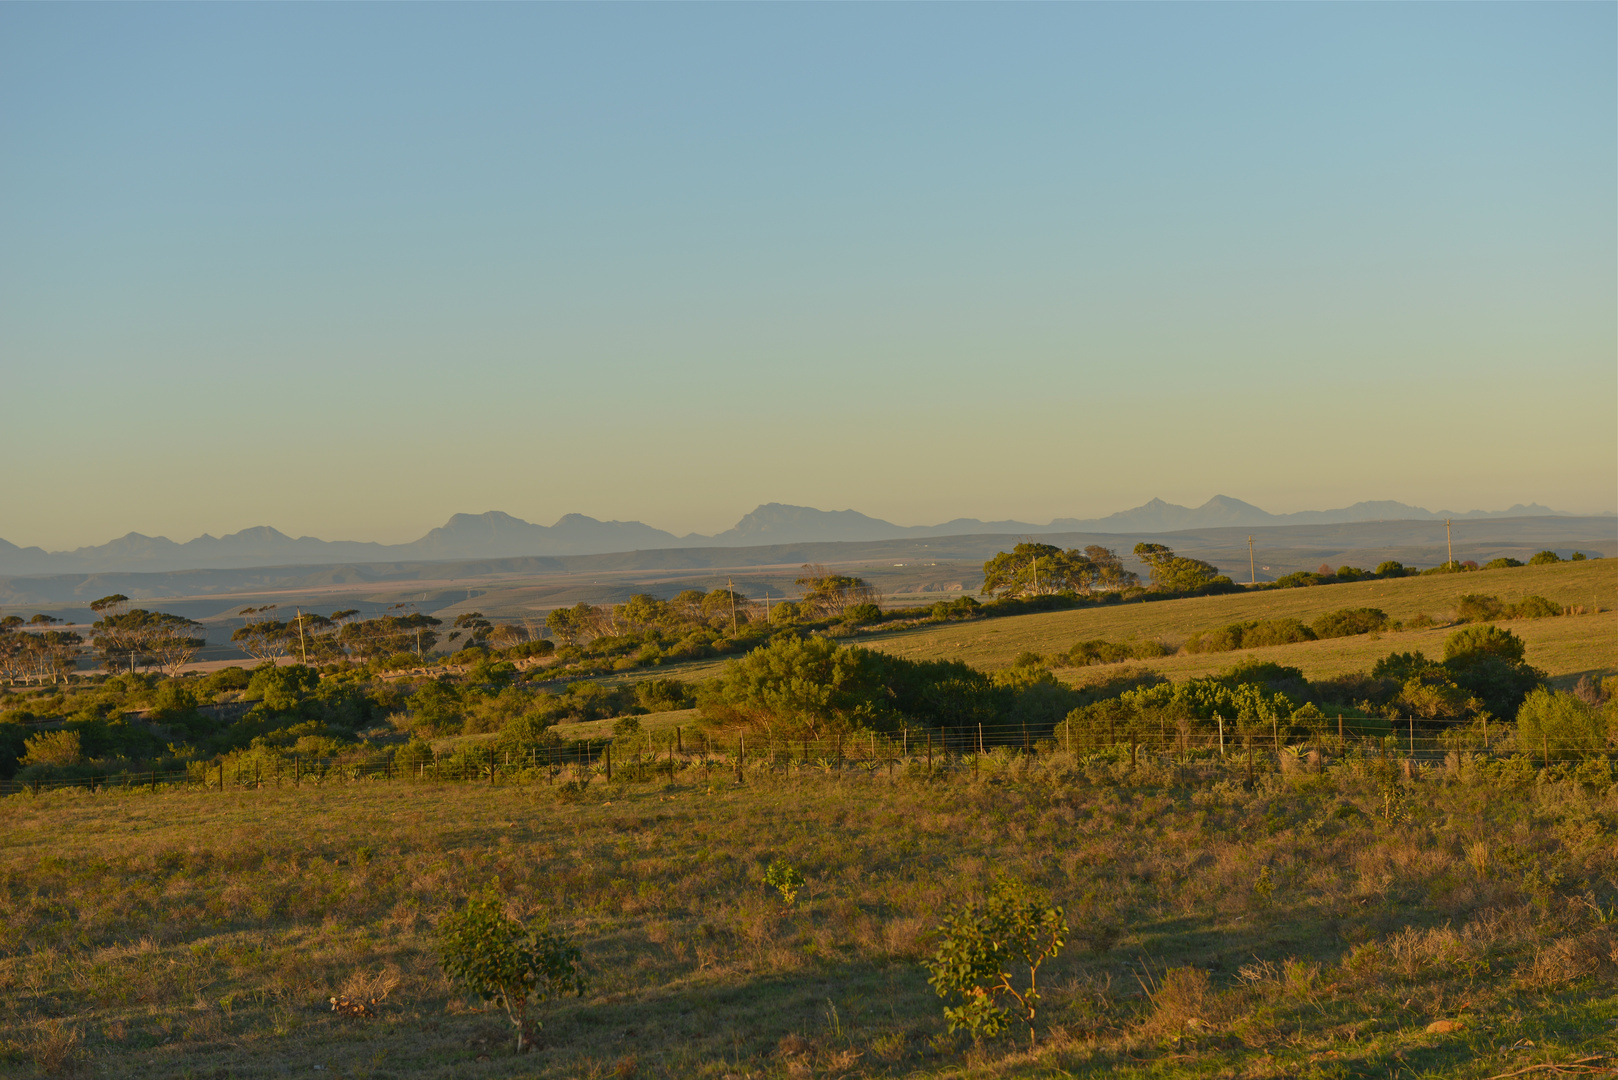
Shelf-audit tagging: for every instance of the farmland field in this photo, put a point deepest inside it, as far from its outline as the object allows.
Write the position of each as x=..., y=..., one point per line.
x=1565, y=648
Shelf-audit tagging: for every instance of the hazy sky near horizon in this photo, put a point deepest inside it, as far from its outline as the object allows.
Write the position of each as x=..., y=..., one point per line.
x=348, y=269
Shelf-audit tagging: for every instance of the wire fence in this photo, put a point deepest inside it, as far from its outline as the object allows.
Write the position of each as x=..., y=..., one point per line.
x=1219, y=746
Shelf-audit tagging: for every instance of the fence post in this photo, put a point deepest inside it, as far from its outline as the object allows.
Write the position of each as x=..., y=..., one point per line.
x=679, y=740
x=297, y=771
x=929, y=753
x=221, y=777
x=491, y=763
x=1221, y=720
x=1412, y=735
x=608, y=755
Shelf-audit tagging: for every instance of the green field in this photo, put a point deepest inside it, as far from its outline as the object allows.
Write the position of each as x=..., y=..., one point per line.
x=1308, y=927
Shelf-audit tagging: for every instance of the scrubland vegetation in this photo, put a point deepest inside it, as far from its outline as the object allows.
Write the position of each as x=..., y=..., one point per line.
x=1348, y=921
x=1401, y=862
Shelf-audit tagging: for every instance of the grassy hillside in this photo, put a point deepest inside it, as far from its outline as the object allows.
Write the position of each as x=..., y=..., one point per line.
x=1304, y=928
x=1566, y=646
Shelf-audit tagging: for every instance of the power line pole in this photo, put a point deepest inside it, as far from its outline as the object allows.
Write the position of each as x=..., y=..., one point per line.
x=1450, y=543
x=1252, y=575
x=303, y=646
x=730, y=587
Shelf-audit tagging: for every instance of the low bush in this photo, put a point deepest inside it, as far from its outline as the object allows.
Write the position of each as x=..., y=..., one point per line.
x=1562, y=721
x=1249, y=635
x=1476, y=607
x=1534, y=607
x=1347, y=622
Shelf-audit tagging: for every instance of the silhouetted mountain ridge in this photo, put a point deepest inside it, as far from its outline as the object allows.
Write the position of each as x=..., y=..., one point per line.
x=499, y=535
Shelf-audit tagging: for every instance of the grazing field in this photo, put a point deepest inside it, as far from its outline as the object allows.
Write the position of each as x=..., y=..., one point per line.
x=1565, y=646
x=1344, y=924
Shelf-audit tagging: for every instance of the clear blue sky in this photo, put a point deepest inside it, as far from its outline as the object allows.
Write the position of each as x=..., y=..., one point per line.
x=347, y=269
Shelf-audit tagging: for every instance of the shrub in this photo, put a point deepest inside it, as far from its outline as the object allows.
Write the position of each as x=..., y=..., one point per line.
x=1013, y=927
x=1497, y=681
x=1347, y=622
x=524, y=732
x=1544, y=557
x=1501, y=563
x=1276, y=632
x=1401, y=666
x=785, y=879
x=526, y=649
x=1475, y=607
x=626, y=728
x=1085, y=653
x=862, y=614
x=1534, y=607
x=282, y=689
x=1577, y=556
x=1300, y=579
x=173, y=701
x=1351, y=573
x=1561, y=720
x=230, y=678
x=501, y=960
x=663, y=695
x=52, y=748
x=1392, y=568
x=1471, y=640
x=1249, y=635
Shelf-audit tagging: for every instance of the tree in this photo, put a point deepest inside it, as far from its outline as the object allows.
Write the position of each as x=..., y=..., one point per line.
x=1032, y=569
x=388, y=634
x=504, y=961
x=1544, y=557
x=573, y=625
x=1012, y=928
x=115, y=604
x=832, y=594
x=1109, y=569
x=264, y=639
x=172, y=640
x=1175, y=573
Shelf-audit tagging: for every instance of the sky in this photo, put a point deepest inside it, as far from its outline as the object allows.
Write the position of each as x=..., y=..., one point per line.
x=349, y=269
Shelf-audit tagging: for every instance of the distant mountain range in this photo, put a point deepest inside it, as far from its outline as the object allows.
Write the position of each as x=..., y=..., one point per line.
x=498, y=535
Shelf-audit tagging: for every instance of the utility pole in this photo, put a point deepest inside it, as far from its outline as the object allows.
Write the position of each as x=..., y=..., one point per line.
x=1036, y=575
x=303, y=646
x=1450, y=543
x=730, y=587
x=1252, y=575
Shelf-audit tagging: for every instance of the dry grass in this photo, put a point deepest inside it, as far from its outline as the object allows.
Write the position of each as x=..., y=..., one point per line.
x=1567, y=646
x=1284, y=930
